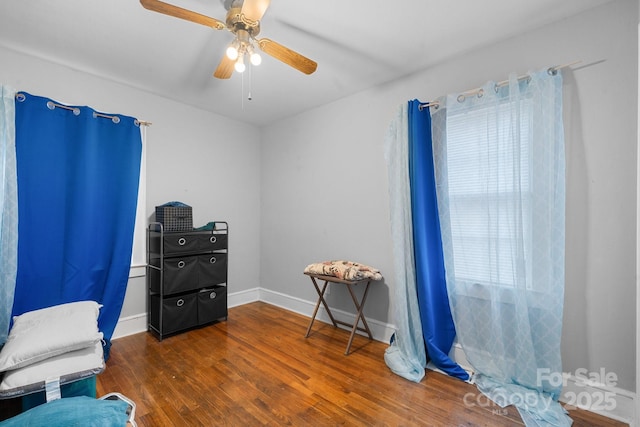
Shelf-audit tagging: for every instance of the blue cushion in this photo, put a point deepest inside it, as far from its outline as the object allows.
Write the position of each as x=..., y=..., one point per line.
x=73, y=411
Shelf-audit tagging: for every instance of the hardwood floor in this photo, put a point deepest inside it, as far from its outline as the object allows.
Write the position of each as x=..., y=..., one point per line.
x=258, y=369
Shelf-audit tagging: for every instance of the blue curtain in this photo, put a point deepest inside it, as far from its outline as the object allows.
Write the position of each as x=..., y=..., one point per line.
x=78, y=176
x=425, y=328
x=8, y=209
x=437, y=323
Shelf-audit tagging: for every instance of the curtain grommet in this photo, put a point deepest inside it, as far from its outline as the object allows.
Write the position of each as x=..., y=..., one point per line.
x=114, y=119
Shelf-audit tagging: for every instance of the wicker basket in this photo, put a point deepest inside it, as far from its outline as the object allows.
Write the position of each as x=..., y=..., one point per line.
x=175, y=218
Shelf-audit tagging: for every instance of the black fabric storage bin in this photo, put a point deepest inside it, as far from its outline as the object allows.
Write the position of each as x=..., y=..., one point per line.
x=180, y=275
x=178, y=313
x=175, y=218
x=212, y=304
x=212, y=241
x=178, y=243
x=212, y=269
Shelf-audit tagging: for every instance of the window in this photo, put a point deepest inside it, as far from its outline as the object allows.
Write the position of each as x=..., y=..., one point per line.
x=489, y=189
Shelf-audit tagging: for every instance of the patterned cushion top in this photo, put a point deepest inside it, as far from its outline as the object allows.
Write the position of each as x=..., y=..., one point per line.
x=346, y=270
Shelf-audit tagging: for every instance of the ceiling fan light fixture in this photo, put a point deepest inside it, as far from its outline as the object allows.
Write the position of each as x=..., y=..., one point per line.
x=255, y=59
x=239, y=65
x=232, y=51
x=243, y=20
x=254, y=56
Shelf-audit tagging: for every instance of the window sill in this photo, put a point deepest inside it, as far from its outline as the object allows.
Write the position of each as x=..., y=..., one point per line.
x=138, y=270
x=503, y=294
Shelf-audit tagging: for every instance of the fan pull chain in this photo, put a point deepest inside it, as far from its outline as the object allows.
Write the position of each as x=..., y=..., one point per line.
x=250, y=81
x=242, y=90
x=249, y=84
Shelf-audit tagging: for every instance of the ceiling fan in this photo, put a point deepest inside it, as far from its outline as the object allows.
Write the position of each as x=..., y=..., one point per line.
x=243, y=20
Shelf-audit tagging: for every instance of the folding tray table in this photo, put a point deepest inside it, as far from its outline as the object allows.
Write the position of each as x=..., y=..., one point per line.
x=359, y=305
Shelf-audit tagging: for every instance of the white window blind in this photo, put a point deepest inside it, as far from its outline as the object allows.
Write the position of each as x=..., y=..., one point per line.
x=489, y=189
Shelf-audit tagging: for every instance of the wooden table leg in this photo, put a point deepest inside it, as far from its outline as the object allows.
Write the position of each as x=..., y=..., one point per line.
x=358, y=304
x=320, y=300
x=359, y=315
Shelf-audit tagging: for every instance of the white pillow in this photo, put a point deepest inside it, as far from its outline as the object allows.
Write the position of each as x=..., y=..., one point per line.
x=40, y=334
x=68, y=367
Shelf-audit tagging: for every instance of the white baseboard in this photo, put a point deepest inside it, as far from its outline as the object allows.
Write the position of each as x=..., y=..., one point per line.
x=243, y=297
x=608, y=401
x=620, y=404
x=380, y=331
x=130, y=325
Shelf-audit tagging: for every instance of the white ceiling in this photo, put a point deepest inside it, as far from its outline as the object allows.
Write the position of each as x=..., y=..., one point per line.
x=358, y=44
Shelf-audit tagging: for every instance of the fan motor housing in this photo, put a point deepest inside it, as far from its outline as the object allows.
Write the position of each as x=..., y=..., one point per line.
x=237, y=21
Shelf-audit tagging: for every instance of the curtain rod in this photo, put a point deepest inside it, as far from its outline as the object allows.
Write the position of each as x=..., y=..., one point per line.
x=551, y=70
x=51, y=105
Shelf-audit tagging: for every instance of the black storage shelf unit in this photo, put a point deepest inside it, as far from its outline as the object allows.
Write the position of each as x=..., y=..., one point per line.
x=186, y=278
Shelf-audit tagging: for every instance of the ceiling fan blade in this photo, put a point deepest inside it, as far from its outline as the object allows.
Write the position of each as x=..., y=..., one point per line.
x=178, y=12
x=287, y=56
x=254, y=9
x=225, y=68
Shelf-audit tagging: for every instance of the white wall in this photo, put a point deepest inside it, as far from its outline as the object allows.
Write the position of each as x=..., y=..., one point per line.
x=202, y=159
x=325, y=195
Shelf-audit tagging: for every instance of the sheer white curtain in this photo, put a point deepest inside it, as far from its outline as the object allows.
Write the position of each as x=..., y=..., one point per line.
x=500, y=170
x=139, y=253
x=8, y=209
x=406, y=356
